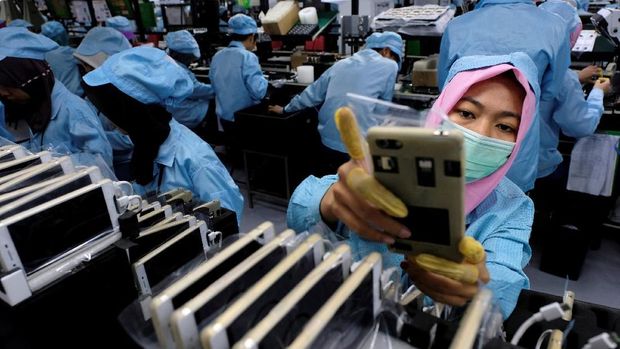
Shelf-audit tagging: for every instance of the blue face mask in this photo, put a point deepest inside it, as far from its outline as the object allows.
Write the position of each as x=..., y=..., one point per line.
x=483, y=155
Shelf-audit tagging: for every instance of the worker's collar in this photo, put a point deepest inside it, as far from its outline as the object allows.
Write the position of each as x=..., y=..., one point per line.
x=236, y=44
x=167, y=150
x=484, y=3
x=59, y=93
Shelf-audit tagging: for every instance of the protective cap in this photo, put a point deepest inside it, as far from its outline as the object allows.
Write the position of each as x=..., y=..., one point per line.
x=99, y=44
x=568, y=13
x=183, y=42
x=55, y=31
x=390, y=40
x=19, y=23
x=122, y=24
x=146, y=74
x=19, y=42
x=242, y=24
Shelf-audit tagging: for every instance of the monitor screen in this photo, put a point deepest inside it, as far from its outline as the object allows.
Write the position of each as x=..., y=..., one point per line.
x=178, y=15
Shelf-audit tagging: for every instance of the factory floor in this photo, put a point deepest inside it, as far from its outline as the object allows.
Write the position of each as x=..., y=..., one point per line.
x=599, y=282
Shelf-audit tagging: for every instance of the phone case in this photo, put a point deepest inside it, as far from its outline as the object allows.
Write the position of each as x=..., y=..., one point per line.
x=425, y=169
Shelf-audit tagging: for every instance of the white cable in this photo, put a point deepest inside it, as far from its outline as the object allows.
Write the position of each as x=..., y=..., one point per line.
x=548, y=313
x=542, y=338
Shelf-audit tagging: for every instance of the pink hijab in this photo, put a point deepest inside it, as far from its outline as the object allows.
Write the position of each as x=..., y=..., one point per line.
x=476, y=192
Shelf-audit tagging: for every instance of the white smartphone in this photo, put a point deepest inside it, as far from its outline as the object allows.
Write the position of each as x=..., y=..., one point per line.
x=9, y=167
x=286, y=320
x=184, y=289
x=191, y=317
x=36, y=238
x=158, y=264
x=424, y=168
x=149, y=239
x=146, y=220
x=149, y=207
x=175, y=217
x=12, y=152
x=38, y=173
x=253, y=305
x=354, y=305
x=93, y=174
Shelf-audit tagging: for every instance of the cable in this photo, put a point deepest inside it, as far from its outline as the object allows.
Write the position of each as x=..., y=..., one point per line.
x=549, y=312
x=542, y=338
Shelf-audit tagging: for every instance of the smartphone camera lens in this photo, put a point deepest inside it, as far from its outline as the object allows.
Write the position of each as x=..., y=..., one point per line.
x=389, y=144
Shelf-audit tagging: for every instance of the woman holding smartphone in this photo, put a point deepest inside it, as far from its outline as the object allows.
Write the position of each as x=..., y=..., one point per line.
x=492, y=100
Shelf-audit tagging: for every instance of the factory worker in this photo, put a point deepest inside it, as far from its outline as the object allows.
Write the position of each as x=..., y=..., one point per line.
x=122, y=24
x=64, y=65
x=512, y=26
x=235, y=74
x=492, y=100
x=184, y=49
x=99, y=44
x=132, y=88
x=370, y=72
x=19, y=23
x=569, y=111
x=57, y=118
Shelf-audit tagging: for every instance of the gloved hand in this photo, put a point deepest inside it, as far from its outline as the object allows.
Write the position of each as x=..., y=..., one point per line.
x=604, y=84
x=363, y=184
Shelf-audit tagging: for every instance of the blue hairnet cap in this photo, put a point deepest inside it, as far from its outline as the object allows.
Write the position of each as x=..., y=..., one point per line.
x=183, y=42
x=55, y=31
x=119, y=23
x=19, y=42
x=100, y=43
x=146, y=74
x=242, y=24
x=565, y=11
x=390, y=40
x=19, y=23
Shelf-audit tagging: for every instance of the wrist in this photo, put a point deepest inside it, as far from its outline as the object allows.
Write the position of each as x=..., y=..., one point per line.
x=325, y=209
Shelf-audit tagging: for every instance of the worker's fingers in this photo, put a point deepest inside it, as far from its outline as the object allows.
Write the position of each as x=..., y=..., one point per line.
x=367, y=219
x=483, y=272
x=350, y=133
x=462, y=272
x=439, y=287
x=472, y=250
x=367, y=187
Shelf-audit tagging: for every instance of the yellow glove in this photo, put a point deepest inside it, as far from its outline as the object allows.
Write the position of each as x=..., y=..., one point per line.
x=360, y=181
x=473, y=252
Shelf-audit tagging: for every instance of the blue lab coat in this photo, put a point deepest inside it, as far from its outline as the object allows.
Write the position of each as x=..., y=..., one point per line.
x=193, y=109
x=65, y=68
x=237, y=80
x=366, y=73
x=4, y=132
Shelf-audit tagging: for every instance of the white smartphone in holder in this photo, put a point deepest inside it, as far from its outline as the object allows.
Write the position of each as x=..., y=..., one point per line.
x=286, y=320
x=12, y=152
x=149, y=207
x=58, y=233
x=153, y=217
x=253, y=305
x=186, y=288
x=38, y=173
x=424, y=168
x=175, y=217
x=191, y=317
x=9, y=167
x=356, y=303
x=149, y=239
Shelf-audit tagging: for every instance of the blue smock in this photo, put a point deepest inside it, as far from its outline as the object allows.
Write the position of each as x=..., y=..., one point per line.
x=74, y=128
x=570, y=113
x=4, y=132
x=192, y=110
x=237, y=80
x=366, y=73
x=65, y=68
x=188, y=162
x=511, y=26
x=501, y=223
x=122, y=146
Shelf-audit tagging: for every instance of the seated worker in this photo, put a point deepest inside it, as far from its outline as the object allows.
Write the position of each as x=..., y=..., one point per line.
x=56, y=117
x=235, y=74
x=490, y=99
x=64, y=65
x=131, y=88
x=123, y=25
x=370, y=72
x=19, y=23
x=191, y=111
x=99, y=44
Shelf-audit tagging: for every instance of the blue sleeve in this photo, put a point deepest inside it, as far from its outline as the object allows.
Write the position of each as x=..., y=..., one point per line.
x=388, y=92
x=445, y=62
x=4, y=133
x=576, y=116
x=212, y=181
x=203, y=91
x=304, y=207
x=253, y=77
x=189, y=111
x=87, y=133
x=312, y=96
x=554, y=75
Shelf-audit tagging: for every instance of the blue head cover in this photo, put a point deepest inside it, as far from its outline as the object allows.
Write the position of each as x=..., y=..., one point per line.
x=122, y=24
x=19, y=42
x=390, y=40
x=55, y=31
x=19, y=23
x=100, y=43
x=565, y=11
x=183, y=42
x=146, y=74
x=242, y=24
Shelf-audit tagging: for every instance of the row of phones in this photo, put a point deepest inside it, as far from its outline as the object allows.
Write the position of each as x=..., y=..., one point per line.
x=268, y=290
x=52, y=214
